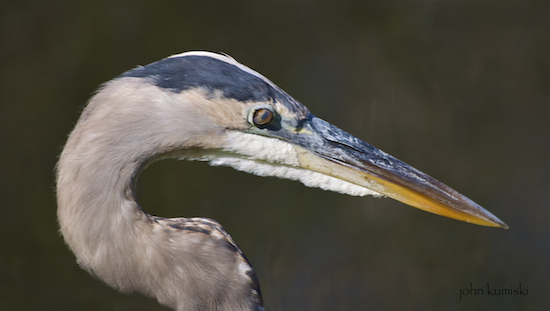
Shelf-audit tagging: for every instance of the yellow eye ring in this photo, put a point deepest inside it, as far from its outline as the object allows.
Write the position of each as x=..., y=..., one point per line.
x=262, y=116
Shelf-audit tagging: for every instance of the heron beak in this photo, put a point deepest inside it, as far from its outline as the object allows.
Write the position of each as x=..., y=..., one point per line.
x=327, y=149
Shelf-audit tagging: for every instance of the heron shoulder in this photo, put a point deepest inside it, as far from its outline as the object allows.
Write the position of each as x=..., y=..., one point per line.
x=204, y=242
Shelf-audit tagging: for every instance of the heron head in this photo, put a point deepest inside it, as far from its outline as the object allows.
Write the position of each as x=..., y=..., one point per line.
x=209, y=107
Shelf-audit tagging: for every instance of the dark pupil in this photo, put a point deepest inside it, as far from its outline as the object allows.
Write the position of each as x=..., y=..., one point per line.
x=262, y=116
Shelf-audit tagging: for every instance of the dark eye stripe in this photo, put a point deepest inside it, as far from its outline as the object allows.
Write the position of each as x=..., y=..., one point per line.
x=262, y=116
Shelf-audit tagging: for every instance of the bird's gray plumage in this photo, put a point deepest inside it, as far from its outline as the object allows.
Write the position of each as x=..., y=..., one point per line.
x=205, y=106
x=187, y=264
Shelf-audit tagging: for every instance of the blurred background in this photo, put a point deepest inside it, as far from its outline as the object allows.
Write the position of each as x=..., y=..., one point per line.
x=459, y=90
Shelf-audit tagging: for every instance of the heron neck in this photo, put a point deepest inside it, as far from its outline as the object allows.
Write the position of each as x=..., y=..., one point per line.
x=97, y=211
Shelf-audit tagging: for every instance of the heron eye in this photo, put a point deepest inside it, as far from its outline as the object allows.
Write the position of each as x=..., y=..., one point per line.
x=262, y=116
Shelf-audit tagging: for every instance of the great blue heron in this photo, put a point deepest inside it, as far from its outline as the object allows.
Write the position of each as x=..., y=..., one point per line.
x=208, y=107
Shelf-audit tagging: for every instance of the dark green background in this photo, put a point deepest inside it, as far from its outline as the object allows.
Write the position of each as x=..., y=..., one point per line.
x=459, y=90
